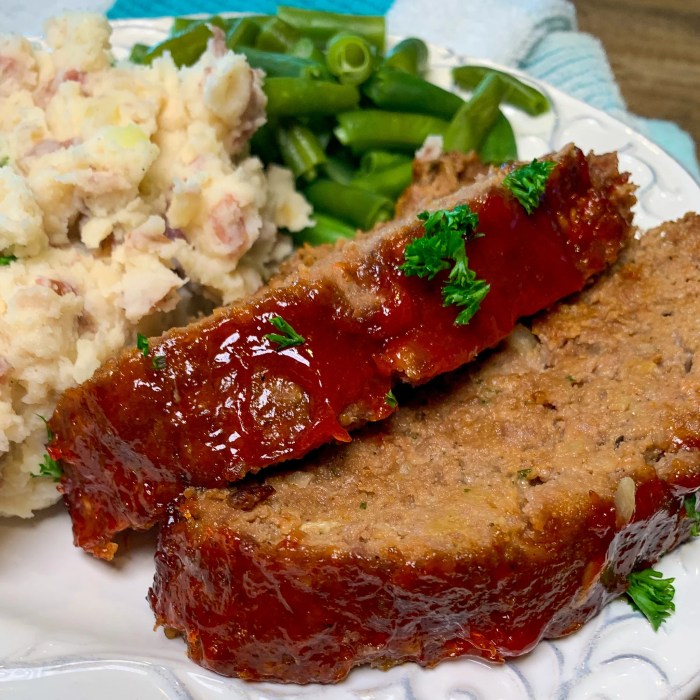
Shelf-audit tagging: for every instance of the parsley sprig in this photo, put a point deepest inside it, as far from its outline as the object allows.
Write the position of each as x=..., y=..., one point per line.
x=528, y=182
x=157, y=361
x=49, y=467
x=443, y=248
x=652, y=595
x=287, y=337
x=7, y=259
x=690, y=504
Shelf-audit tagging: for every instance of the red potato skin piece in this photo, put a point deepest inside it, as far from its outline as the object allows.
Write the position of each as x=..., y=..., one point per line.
x=229, y=402
x=387, y=610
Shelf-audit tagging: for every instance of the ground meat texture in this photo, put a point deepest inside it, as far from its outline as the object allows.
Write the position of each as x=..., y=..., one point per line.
x=504, y=503
x=228, y=402
x=437, y=178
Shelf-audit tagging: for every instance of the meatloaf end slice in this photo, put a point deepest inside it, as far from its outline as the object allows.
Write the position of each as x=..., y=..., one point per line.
x=503, y=504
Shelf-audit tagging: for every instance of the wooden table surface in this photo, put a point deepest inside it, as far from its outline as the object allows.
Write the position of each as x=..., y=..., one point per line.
x=654, y=50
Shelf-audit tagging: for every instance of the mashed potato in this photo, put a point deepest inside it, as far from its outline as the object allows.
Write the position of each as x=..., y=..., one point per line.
x=123, y=191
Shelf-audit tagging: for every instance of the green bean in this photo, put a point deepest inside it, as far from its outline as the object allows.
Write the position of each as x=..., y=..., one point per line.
x=409, y=56
x=325, y=230
x=296, y=97
x=353, y=205
x=390, y=182
x=520, y=95
x=375, y=161
x=339, y=170
x=300, y=149
x=262, y=144
x=243, y=32
x=375, y=129
x=350, y=58
x=139, y=53
x=499, y=145
x=180, y=24
x=321, y=26
x=470, y=125
x=305, y=48
x=185, y=47
x=283, y=65
x=276, y=35
x=403, y=92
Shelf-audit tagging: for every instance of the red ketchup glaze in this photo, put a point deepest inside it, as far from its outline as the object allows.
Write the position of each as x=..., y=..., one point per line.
x=238, y=602
x=229, y=402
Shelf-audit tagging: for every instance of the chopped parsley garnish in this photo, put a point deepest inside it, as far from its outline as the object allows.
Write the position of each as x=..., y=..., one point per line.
x=287, y=337
x=524, y=473
x=363, y=505
x=49, y=432
x=142, y=344
x=49, y=467
x=390, y=399
x=652, y=595
x=5, y=160
x=443, y=248
x=690, y=504
x=7, y=259
x=157, y=361
x=527, y=183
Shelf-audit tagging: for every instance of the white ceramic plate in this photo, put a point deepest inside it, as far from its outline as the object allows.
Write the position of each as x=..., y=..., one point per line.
x=77, y=628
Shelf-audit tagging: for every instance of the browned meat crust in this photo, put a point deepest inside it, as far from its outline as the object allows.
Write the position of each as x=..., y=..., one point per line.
x=228, y=402
x=437, y=178
x=499, y=506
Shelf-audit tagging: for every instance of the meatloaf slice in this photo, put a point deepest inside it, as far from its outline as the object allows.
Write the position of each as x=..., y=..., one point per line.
x=226, y=400
x=502, y=504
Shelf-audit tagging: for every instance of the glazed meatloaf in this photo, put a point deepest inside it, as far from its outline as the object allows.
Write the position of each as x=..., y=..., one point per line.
x=502, y=504
x=224, y=398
